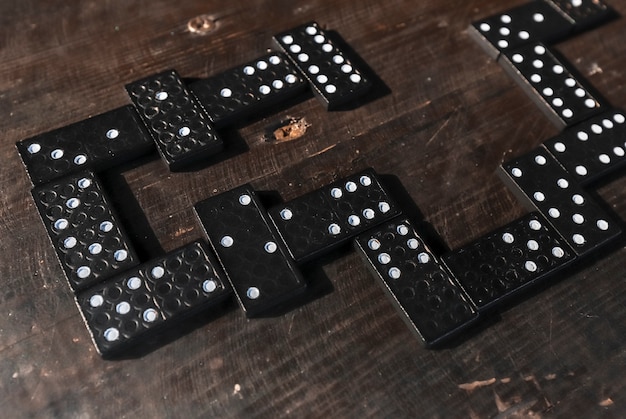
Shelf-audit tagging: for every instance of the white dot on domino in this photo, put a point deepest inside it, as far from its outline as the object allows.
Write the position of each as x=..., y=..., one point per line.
x=111, y=334
x=123, y=308
x=384, y=258
x=209, y=285
x=84, y=183
x=253, y=293
x=157, y=272
x=369, y=213
x=134, y=283
x=112, y=134
x=150, y=315
x=34, y=148
x=373, y=244
x=286, y=214
x=270, y=247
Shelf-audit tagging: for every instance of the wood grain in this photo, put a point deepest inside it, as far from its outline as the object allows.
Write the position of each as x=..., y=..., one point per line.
x=444, y=120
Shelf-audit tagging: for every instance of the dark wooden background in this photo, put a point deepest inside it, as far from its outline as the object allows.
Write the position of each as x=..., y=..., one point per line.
x=445, y=119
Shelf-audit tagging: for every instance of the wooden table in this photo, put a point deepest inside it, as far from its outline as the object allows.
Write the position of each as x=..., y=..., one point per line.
x=445, y=119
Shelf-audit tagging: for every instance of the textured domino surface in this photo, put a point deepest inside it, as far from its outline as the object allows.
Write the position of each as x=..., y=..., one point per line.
x=508, y=260
x=549, y=82
x=531, y=22
x=583, y=13
x=544, y=184
x=331, y=72
x=97, y=143
x=119, y=312
x=123, y=310
x=428, y=298
x=186, y=281
x=247, y=89
x=360, y=201
x=319, y=221
x=84, y=231
x=258, y=266
x=308, y=226
x=593, y=148
x=180, y=127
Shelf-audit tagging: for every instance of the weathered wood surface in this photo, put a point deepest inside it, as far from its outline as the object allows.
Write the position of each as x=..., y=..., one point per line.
x=448, y=118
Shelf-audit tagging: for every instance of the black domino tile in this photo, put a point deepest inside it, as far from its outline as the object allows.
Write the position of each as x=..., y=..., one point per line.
x=593, y=148
x=331, y=71
x=262, y=273
x=96, y=144
x=240, y=92
x=88, y=239
x=118, y=313
x=320, y=221
x=508, y=260
x=428, y=298
x=550, y=83
x=360, y=202
x=122, y=311
x=308, y=226
x=530, y=22
x=186, y=281
x=179, y=126
x=583, y=14
x=542, y=183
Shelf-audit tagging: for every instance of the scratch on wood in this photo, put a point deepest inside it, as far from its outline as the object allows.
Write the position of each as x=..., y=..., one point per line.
x=441, y=127
x=323, y=150
x=477, y=384
x=606, y=402
x=182, y=231
x=291, y=323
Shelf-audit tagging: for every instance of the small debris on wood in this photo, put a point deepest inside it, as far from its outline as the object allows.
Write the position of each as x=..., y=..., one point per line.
x=202, y=24
x=286, y=130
